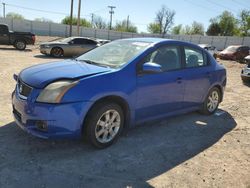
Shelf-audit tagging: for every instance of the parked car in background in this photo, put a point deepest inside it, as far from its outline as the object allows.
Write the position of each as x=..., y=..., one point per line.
x=245, y=73
x=247, y=58
x=117, y=85
x=18, y=39
x=72, y=46
x=236, y=53
x=211, y=49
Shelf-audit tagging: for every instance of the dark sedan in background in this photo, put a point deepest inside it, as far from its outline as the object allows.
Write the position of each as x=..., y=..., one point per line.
x=236, y=53
x=72, y=46
x=245, y=73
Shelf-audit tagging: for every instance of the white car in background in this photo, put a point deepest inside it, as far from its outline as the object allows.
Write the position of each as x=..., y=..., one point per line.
x=211, y=49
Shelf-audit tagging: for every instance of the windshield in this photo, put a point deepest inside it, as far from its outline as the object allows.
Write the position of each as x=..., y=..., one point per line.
x=114, y=54
x=231, y=49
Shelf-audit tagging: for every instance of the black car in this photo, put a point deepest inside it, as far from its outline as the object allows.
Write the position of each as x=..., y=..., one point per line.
x=245, y=73
x=18, y=39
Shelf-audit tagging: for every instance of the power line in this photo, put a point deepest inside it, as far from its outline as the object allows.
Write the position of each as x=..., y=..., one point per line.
x=242, y=4
x=38, y=10
x=201, y=6
x=221, y=6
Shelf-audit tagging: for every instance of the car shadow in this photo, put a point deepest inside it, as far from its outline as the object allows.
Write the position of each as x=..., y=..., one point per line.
x=145, y=152
x=14, y=49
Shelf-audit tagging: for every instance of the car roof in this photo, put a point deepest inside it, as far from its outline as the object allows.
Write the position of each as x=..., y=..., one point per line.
x=237, y=46
x=148, y=39
x=75, y=37
x=157, y=41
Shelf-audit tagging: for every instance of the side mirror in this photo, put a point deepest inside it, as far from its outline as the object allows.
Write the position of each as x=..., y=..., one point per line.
x=71, y=42
x=150, y=67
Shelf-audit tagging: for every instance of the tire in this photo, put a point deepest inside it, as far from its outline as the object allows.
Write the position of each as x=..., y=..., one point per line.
x=20, y=45
x=56, y=52
x=100, y=127
x=211, y=102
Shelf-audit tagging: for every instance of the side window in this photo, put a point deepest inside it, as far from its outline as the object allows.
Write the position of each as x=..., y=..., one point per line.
x=194, y=57
x=90, y=42
x=3, y=29
x=83, y=41
x=167, y=56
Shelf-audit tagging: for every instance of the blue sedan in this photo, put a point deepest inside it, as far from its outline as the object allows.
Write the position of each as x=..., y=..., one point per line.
x=116, y=86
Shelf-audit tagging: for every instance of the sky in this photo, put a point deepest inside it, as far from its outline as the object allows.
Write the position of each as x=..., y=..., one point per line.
x=141, y=12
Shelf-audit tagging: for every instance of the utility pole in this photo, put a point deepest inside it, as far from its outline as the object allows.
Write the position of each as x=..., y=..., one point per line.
x=127, y=22
x=92, y=19
x=79, y=17
x=111, y=12
x=4, y=9
x=71, y=17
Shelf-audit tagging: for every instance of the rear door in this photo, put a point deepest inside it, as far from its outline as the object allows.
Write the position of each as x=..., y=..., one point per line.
x=197, y=77
x=4, y=34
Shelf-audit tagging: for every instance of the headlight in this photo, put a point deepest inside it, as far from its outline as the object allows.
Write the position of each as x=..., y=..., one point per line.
x=54, y=92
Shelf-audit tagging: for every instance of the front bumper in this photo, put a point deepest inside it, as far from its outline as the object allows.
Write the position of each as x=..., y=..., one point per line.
x=63, y=120
x=45, y=51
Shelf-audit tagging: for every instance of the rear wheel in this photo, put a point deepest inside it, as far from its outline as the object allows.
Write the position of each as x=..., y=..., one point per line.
x=104, y=124
x=20, y=45
x=212, y=101
x=56, y=52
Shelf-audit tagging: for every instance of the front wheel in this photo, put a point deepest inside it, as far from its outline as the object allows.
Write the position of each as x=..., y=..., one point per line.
x=104, y=124
x=212, y=101
x=56, y=52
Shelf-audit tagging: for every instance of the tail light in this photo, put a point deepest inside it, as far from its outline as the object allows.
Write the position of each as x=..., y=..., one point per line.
x=33, y=38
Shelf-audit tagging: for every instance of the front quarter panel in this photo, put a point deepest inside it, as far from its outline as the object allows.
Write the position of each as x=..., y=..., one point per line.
x=119, y=83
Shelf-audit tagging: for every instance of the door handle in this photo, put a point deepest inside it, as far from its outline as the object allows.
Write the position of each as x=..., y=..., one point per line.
x=5, y=35
x=179, y=80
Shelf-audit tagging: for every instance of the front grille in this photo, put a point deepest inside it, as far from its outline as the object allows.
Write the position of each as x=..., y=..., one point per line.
x=23, y=89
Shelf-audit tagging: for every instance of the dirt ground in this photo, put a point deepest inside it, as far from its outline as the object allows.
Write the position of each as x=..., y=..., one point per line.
x=190, y=150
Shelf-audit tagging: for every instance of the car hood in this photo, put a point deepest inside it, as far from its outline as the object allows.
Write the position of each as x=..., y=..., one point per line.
x=225, y=52
x=39, y=76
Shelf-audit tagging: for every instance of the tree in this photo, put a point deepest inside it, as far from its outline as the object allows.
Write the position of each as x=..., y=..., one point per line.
x=214, y=28
x=154, y=28
x=125, y=26
x=228, y=24
x=197, y=28
x=83, y=21
x=186, y=30
x=244, y=22
x=176, y=30
x=43, y=20
x=223, y=25
x=14, y=15
x=99, y=23
x=163, y=21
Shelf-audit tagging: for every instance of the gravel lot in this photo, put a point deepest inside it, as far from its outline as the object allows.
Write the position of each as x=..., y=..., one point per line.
x=190, y=150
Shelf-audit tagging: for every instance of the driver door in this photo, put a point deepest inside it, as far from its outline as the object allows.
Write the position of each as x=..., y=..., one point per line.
x=160, y=93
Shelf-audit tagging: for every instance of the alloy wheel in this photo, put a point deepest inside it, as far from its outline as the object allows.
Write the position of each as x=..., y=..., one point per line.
x=108, y=126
